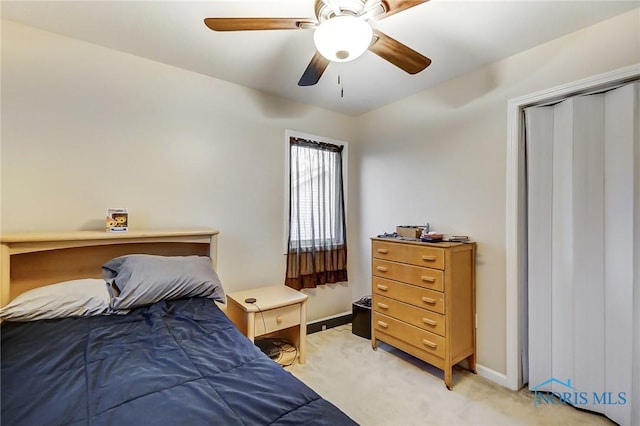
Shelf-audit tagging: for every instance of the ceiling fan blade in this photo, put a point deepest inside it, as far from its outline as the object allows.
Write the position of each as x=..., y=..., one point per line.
x=253, y=24
x=314, y=70
x=395, y=6
x=398, y=54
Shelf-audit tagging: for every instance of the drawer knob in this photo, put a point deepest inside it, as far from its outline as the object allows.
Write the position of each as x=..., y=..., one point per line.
x=429, y=258
x=429, y=300
x=381, y=268
x=278, y=320
x=382, y=287
x=383, y=324
x=428, y=279
x=429, y=321
x=430, y=344
x=383, y=251
x=382, y=305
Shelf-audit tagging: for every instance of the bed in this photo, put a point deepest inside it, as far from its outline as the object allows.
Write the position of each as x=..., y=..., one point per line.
x=176, y=361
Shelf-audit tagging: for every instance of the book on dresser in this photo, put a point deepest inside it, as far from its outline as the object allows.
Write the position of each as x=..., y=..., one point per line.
x=424, y=300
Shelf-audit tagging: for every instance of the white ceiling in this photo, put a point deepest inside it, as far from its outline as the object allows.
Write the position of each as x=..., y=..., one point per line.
x=458, y=36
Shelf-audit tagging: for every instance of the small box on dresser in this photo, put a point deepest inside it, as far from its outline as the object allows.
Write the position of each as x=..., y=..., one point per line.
x=424, y=300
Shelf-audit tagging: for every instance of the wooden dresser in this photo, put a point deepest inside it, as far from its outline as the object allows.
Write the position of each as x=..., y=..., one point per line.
x=424, y=300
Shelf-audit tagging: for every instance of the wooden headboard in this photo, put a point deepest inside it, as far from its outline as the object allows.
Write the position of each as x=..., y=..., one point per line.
x=30, y=260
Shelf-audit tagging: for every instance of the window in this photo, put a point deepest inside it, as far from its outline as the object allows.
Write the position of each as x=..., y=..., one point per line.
x=316, y=243
x=316, y=200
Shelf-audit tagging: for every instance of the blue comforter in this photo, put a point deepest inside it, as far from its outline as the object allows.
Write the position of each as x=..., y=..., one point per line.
x=178, y=362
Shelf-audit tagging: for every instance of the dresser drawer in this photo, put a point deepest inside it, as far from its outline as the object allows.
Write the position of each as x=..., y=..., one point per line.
x=430, y=257
x=427, y=341
x=416, y=296
x=423, y=277
x=421, y=318
x=277, y=319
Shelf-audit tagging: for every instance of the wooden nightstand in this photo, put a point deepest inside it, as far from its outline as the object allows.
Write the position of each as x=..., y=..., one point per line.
x=278, y=311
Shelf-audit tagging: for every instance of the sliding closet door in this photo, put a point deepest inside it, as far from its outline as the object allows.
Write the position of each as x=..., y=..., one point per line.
x=582, y=171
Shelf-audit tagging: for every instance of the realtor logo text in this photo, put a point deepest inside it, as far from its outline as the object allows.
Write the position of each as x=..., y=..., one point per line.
x=571, y=395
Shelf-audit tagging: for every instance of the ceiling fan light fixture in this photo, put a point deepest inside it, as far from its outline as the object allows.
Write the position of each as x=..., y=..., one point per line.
x=343, y=38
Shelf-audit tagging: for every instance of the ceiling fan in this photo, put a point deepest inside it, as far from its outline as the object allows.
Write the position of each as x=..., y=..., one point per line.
x=342, y=34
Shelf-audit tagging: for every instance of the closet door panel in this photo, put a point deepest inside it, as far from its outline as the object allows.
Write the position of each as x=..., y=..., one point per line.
x=562, y=262
x=588, y=245
x=539, y=127
x=621, y=141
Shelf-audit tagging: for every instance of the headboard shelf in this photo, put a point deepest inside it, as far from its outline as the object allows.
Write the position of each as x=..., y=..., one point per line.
x=77, y=236
x=30, y=260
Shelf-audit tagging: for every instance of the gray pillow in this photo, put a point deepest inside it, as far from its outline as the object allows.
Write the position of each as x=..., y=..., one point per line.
x=142, y=279
x=76, y=298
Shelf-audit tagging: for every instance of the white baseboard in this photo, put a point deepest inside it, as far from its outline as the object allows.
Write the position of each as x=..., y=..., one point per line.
x=492, y=375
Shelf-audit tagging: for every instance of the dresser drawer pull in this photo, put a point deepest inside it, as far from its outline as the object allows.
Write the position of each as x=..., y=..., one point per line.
x=429, y=321
x=428, y=279
x=429, y=258
x=383, y=251
x=381, y=268
x=382, y=306
x=430, y=344
x=429, y=300
x=383, y=324
x=382, y=287
x=279, y=320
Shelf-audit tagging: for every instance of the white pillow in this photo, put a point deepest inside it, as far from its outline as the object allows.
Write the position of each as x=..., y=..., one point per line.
x=76, y=298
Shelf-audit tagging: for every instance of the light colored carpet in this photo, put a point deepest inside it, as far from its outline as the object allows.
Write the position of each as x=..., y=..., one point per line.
x=388, y=388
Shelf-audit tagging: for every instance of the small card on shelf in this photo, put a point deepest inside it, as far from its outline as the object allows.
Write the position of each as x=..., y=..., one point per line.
x=117, y=220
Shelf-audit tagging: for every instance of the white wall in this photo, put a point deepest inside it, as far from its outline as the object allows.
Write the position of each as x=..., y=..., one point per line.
x=439, y=156
x=85, y=128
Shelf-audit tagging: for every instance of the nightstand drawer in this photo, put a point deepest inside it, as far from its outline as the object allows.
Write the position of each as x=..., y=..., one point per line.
x=423, y=277
x=415, y=336
x=430, y=257
x=421, y=318
x=276, y=319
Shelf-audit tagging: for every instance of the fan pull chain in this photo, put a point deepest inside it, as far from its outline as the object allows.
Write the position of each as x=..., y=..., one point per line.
x=341, y=86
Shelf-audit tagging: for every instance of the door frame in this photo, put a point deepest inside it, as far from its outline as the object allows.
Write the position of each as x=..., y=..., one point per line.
x=516, y=263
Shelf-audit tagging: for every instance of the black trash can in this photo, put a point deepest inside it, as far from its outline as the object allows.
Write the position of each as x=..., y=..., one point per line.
x=361, y=318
